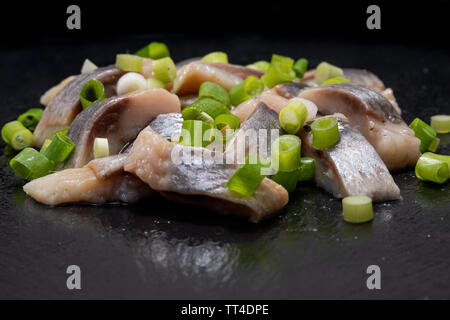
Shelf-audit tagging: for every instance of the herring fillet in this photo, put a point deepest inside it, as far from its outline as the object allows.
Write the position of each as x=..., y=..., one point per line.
x=352, y=167
x=374, y=116
x=82, y=185
x=200, y=181
x=191, y=76
x=119, y=119
x=66, y=104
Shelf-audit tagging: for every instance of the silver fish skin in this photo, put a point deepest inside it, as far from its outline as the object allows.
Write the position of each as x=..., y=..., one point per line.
x=352, y=167
x=65, y=106
x=374, y=116
x=82, y=185
x=167, y=125
x=201, y=181
x=191, y=76
x=119, y=119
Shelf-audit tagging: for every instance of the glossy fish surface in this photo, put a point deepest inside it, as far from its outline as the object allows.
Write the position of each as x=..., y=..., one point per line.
x=200, y=181
x=191, y=76
x=66, y=104
x=374, y=116
x=351, y=167
x=119, y=119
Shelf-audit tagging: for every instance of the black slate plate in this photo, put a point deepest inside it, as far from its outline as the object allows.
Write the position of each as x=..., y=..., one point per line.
x=163, y=250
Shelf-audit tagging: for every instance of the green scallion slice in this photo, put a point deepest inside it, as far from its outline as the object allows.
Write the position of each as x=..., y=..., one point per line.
x=325, y=133
x=287, y=179
x=307, y=169
x=45, y=145
x=259, y=65
x=282, y=59
x=164, y=69
x=209, y=106
x=193, y=113
x=300, y=67
x=31, y=118
x=247, y=177
x=88, y=66
x=357, y=209
x=129, y=62
x=60, y=148
x=278, y=73
x=92, y=91
x=196, y=133
x=293, y=116
x=153, y=83
x=432, y=169
x=327, y=71
x=62, y=131
x=30, y=164
x=286, y=152
x=227, y=122
x=439, y=157
x=214, y=91
x=16, y=135
x=155, y=50
x=424, y=132
x=434, y=144
x=218, y=57
x=101, y=148
x=335, y=80
x=247, y=89
x=441, y=123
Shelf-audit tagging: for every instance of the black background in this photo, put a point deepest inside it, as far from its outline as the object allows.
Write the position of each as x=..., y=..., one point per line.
x=307, y=251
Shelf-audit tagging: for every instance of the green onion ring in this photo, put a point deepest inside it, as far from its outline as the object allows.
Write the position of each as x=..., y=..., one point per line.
x=286, y=151
x=60, y=148
x=30, y=164
x=92, y=91
x=31, y=118
x=214, y=91
x=357, y=209
x=325, y=133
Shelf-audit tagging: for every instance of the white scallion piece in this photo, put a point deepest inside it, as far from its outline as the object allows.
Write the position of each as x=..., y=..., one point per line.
x=130, y=82
x=310, y=106
x=88, y=66
x=101, y=148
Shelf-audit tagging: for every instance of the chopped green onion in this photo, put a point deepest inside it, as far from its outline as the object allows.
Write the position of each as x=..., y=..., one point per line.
x=101, y=148
x=247, y=89
x=210, y=106
x=293, y=116
x=88, y=66
x=434, y=144
x=164, y=69
x=278, y=73
x=247, y=177
x=193, y=113
x=424, y=132
x=60, y=148
x=441, y=123
x=327, y=71
x=259, y=65
x=439, y=157
x=219, y=57
x=287, y=179
x=325, y=133
x=62, y=131
x=16, y=135
x=286, y=151
x=193, y=133
x=432, y=169
x=336, y=80
x=45, y=145
x=153, y=83
x=212, y=90
x=155, y=50
x=282, y=59
x=129, y=62
x=30, y=164
x=31, y=118
x=300, y=67
x=92, y=91
x=230, y=120
x=307, y=169
x=357, y=209
x=130, y=82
